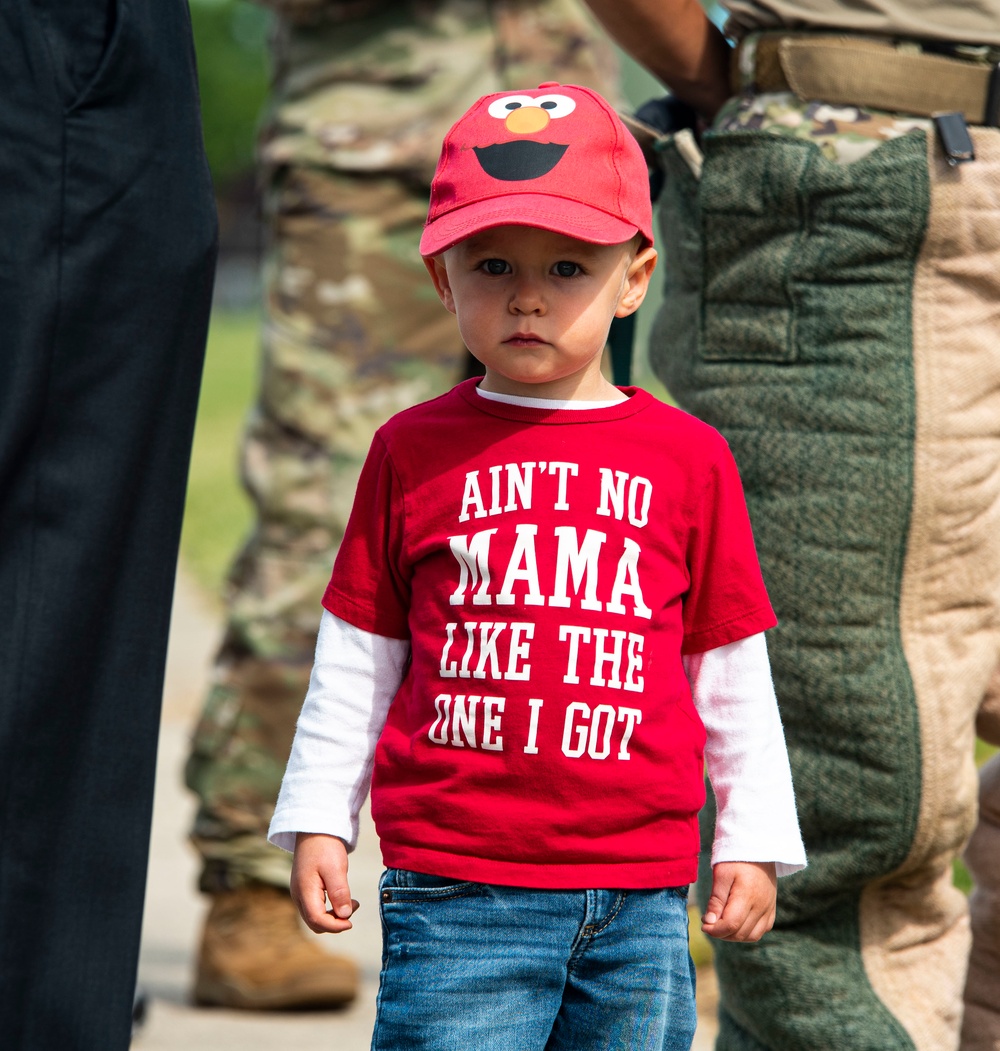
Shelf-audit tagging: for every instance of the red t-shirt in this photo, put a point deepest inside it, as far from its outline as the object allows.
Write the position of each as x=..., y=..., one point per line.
x=549, y=568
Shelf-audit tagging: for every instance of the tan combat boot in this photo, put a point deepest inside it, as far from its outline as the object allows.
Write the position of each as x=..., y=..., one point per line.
x=254, y=955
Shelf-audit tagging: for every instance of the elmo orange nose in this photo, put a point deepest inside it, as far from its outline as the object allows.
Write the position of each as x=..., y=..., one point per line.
x=527, y=120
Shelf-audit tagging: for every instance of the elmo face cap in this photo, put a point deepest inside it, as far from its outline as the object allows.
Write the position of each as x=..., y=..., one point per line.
x=557, y=158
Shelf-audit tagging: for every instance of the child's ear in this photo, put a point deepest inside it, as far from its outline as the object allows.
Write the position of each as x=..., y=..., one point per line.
x=636, y=285
x=439, y=275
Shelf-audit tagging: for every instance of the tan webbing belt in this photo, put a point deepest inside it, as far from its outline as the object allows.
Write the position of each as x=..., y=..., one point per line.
x=862, y=71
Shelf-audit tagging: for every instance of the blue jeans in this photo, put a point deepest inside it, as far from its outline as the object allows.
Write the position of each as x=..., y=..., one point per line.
x=479, y=967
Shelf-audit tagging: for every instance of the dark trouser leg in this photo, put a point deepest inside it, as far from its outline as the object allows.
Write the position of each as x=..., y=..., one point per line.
x=107, y=256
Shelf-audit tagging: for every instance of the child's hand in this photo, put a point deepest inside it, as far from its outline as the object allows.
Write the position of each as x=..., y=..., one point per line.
x=319, y=871
x=741, y=907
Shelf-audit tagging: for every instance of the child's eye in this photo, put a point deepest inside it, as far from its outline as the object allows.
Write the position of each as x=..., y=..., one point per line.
x=567, y=269
x=495, y=266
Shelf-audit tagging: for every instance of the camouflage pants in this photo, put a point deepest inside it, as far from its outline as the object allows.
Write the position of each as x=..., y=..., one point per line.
x=832, y=311
x=353, y=332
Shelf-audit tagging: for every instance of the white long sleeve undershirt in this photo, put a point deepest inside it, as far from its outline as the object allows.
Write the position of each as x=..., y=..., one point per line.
x=746, y=757
x=356, y=675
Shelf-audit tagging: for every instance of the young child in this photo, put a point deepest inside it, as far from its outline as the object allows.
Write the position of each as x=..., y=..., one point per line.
x=546, y=600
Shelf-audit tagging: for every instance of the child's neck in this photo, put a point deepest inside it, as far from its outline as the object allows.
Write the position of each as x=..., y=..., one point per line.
x=597, y=389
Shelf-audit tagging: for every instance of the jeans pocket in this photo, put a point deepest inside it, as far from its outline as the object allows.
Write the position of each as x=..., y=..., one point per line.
x=402, y=885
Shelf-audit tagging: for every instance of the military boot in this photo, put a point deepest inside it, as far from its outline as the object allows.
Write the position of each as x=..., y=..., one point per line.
x=254, y=955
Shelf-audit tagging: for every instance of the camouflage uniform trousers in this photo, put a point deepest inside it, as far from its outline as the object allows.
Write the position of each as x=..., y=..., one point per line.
x=353, y=332
x=832, y=310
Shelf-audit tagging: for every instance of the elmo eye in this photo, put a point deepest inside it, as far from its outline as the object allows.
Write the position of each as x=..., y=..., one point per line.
x=502, y=107
x=555, y=105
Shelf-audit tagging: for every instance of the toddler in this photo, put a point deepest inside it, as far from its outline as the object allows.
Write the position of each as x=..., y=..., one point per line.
x=546, y=617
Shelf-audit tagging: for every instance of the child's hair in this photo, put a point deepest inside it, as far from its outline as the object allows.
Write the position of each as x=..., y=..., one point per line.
x=558, y=158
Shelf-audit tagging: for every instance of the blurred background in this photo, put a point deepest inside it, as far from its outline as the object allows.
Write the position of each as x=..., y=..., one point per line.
x=231, y=43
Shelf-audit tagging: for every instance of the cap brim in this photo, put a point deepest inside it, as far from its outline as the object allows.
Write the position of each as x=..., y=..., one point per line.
x=543, y=211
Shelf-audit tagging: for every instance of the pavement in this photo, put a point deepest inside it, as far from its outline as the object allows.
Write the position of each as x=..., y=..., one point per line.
x=174, y=909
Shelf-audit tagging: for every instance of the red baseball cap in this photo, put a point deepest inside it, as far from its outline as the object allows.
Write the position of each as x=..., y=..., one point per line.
x=558, y=158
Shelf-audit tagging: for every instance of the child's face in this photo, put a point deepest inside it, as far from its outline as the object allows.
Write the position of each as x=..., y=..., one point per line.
x=535, y=307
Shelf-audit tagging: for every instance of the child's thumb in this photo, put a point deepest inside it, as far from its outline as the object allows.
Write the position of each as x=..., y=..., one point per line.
x=713, y=910
x=341, y=902
x=722, y=882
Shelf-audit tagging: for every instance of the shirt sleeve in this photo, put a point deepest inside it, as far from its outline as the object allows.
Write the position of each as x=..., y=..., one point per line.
x=726, y=600
x=369, y=586
x=355, y=676
x=746, y=756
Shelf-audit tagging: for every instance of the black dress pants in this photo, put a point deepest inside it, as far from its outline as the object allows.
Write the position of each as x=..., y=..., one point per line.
x=107, y=250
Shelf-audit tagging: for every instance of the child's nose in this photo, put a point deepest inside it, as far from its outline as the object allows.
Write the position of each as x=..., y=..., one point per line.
x=526, y=299
x=526, y=120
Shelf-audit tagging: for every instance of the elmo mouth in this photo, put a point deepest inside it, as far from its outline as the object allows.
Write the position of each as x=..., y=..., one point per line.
x=523, y=159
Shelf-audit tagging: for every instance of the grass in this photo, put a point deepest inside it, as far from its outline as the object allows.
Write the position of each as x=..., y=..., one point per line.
x=217, y=513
